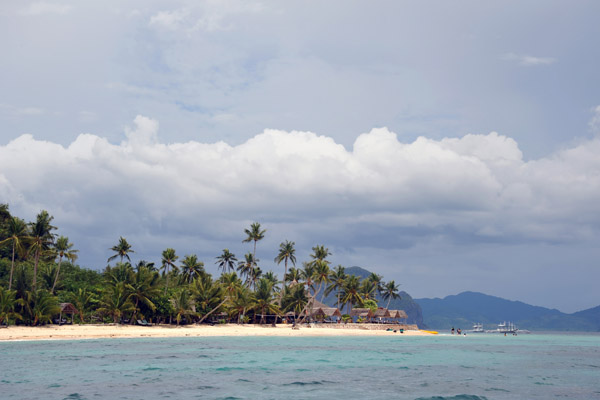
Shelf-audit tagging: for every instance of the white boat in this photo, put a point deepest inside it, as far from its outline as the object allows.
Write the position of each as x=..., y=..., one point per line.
x=506, y=327
x=477, y=328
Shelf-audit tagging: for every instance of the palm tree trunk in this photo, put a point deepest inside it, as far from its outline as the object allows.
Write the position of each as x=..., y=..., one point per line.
x=12, y=267
x=212, y=311
x=57, y=272
x=35, y=266
x=388, y=303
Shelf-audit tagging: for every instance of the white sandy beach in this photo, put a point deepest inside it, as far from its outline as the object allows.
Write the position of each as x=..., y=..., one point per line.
x=74, y=332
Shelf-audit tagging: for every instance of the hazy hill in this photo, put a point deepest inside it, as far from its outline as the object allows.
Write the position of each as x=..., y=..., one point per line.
x=465, y=309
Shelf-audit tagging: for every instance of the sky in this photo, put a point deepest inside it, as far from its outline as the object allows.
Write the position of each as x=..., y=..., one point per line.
x=448, y=146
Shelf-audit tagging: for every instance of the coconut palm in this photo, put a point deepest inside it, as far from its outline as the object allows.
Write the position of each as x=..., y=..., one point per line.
x=368, y=288
x=82, y=299
x=8, y=302
x=378, y=281
x=307, y=275
x=293, y=276
x=63, y=249
x=226, y=261
x=337, y=280
x=191, y=268
x=320, y=253
x=255, y=275
x=351, y=292
x=286, y=252
x=168, y=260
x=182, y=304
x=40, y=306
x=116, y=302
x=295, y=299
x=17, y=236
x=240, y=303
x=390, y=291
x=254, y=234
x=142, y=288
x=246, y=266
x=321, y=275
x=122, y=250
x=145, y=264
x=41, y=239
x=207, y=294
x=264, y=299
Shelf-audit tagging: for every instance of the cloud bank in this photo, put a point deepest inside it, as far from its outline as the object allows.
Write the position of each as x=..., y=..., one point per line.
x=366, y=203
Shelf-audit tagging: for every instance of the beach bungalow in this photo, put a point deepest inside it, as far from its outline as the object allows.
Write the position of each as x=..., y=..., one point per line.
x=397, y=315
x=323, y=313
x=66, y=308
x=381, y=315
x=364, y=314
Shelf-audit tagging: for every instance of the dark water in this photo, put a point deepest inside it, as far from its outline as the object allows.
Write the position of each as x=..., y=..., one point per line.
x=395, y=367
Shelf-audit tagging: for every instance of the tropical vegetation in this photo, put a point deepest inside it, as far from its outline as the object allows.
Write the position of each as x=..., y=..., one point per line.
x=38, y=273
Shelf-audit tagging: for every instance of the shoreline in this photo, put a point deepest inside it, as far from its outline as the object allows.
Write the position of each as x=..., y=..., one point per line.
x=109, y=331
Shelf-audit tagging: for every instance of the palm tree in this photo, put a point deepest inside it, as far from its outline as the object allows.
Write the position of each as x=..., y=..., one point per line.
x=286, y=252
x=368, y=289
x=191, y=268
x=41, y=239
x=41, y=306
x=255, y=275
x=238, y=305
x=321, y=275
x=116, y=302
x=351, y=292
x=18, y=236
x=145, y=264
x=226, y=260
x=8, y=302
x=182, y=303
x=307, y=274
x=378, y=281
x=207, y=294
x=246, y=266
x=168, y=260
x=82, y=299
x=390, y=291
x=295, y=299
x=337, y=279
x=122, y=249
x=254, y=234
x=264, y=299
x=320, y=253
x=63, y=249
x=293, y=276
x=143, y=288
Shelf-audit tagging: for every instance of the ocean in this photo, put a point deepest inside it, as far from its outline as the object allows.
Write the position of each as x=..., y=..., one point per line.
x=444, y=367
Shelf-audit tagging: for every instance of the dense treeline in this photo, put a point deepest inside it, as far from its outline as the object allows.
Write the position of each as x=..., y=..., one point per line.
x=38, y=272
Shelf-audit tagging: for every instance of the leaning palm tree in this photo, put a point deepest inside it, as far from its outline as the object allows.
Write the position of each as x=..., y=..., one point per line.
x=286, y=252
x=18, y=236
x=390, y=291
x=254, y=234
x=337, y=280
x=226, y=261
x=207, y=294
x=122, y=250
x=41, y=239
x=63, y=249
x=168, y=260
x=295, y=299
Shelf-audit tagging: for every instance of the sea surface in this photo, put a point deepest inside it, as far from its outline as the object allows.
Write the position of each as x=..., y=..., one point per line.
x=536, y=366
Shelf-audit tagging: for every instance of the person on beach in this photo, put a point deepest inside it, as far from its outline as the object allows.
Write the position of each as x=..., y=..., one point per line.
x=452, y=330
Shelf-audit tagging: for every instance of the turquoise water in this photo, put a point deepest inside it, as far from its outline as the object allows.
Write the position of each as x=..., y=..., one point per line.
x=397, y=367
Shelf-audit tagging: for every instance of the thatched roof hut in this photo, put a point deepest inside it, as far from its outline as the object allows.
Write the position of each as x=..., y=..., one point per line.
x=66, y=308
x=321, y=311
x=381, y=313
x=364, y=313
x=398, y=314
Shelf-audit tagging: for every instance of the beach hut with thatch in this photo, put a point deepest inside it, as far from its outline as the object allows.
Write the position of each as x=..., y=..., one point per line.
x=397, y=315
x=322, y=312
x=66, y=309
x=381, y=315
x=364, y=314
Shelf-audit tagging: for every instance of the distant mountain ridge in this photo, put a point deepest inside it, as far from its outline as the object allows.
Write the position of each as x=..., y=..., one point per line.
x=465, y=309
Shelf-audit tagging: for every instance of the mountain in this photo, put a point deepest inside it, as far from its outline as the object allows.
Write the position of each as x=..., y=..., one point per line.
x=465, y=309
x=405, y=302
